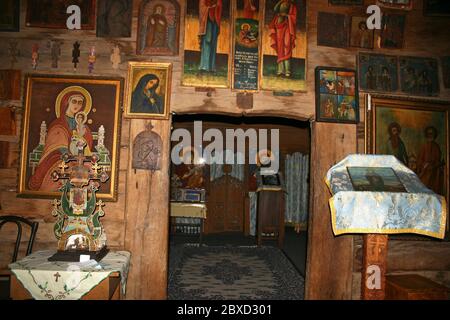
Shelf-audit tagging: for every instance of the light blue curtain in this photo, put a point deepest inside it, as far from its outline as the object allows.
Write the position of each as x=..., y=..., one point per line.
x=297, y=187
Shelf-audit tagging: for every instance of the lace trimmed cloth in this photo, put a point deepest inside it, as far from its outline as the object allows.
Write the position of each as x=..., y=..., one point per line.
x=419, y=210
x=57, y=280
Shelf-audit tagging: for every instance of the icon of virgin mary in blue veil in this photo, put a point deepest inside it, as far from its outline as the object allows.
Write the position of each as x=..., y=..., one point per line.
x=145, y=99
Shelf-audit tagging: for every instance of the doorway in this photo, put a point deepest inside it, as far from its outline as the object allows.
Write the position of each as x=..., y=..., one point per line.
x=230, y=192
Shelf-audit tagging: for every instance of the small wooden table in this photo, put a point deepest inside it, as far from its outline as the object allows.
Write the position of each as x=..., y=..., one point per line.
x=34, y=277
x=108, y=289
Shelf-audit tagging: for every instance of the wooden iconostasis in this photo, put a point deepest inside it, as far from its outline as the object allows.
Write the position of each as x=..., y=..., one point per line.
x=227, y=187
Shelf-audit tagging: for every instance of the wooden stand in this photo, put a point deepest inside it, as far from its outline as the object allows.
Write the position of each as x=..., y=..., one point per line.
x=270, y=216
x=373, y=280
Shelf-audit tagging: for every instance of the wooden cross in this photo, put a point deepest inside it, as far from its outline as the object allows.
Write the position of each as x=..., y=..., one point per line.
x=57, y=276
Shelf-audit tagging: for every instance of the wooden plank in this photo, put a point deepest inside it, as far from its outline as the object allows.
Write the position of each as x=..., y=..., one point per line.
x=373, y=279
x=411, y=256
x=147, y=220
x=329, y=258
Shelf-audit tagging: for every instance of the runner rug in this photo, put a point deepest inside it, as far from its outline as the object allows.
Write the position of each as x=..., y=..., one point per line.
x=242, y=273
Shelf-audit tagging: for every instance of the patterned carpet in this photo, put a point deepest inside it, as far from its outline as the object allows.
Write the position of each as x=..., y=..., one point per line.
x=240, y=273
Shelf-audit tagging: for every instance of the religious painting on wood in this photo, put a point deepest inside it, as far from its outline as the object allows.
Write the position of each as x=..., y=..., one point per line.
x=10, y=82
x=53, y=14
x=416, y=133
x=147, y=147
x=245, y=75
x=148, y=90
x=436, y=7
x=346, y=2
x=419, y=76
x=284, y=45
x=375, y=179
x=207, y=48
x=114, y=18
x=9, y=15
x=61, y=115
x=392, y=31
x=378, y=72
x=360, y=35
x=396, y=4
x=158, y=27
x=446, y=71
x=332, y=30
x=336, y=95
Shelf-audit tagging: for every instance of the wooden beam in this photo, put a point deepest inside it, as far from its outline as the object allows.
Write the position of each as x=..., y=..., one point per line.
x=329, y=258
x=147, y=220
x=373, y=281
x=8, y=138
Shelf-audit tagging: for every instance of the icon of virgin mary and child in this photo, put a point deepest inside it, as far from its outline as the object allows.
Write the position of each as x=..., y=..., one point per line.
x=68, y=133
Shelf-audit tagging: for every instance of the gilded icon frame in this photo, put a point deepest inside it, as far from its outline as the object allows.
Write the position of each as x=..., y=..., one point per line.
x=42, y=93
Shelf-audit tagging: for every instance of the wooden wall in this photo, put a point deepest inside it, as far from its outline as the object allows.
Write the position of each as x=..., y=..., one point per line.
x=425, y=36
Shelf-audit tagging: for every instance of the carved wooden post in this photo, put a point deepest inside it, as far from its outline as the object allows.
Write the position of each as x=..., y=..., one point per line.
x=373, y=280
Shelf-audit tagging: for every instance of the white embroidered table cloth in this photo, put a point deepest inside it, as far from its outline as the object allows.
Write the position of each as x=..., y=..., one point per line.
x=57, y=280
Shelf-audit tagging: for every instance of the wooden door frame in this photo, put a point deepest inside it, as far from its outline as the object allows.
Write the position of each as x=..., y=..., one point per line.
x=329, y=259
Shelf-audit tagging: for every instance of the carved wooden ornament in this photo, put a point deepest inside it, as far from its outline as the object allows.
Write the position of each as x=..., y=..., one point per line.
x=147, y=148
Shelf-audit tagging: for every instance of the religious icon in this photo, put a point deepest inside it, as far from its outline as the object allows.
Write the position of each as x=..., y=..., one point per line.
x=62, y=115
x=378, y=72
x=419, y=76
x=284, y=46
x=445, y=62
x=148, y=90
x=114, y=18
x=396, y=4
x=392, y=31
x=158, y=27
x=375, y=179
x=336, y=95
x=147, y=148
x=9, y=15
x=206, y=44
x=246, y=42
x=332, y=29
x=360, y=35
x=416, y=133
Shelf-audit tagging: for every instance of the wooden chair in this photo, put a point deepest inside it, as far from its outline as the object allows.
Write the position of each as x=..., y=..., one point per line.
x=19, y=221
